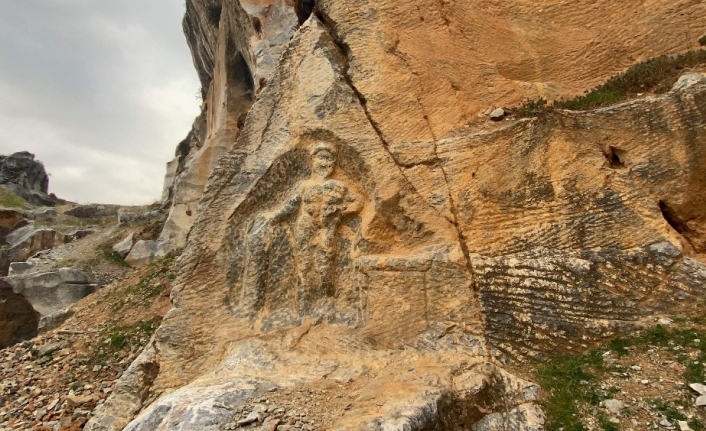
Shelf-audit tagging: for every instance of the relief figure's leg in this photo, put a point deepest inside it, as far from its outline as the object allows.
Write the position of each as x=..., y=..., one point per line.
x=305, y=240
x=256, y=263
x=326, y=260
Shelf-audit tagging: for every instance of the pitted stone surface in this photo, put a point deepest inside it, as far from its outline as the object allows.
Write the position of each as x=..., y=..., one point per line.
x=352, y=230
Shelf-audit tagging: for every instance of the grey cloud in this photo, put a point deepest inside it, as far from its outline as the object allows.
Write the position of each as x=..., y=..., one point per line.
x=100, y=90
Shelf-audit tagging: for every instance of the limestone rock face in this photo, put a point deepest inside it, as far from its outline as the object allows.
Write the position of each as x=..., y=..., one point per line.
x=52, y=291
x=355, y=236
x=236, y=47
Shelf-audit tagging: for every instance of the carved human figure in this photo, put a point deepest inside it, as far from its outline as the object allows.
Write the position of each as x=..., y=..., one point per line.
x=319, y=204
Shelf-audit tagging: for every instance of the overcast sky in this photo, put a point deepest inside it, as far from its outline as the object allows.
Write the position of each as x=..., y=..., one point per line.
x=101, y=91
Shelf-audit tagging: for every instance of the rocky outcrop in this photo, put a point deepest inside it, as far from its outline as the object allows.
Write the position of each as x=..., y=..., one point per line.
x=25, y=177
x=18, y=319
x=21, y=169
x=93, y=210
x=9, y=221
x=236, y=47
x=357, y=236
x=52, y=291
x=28, y=240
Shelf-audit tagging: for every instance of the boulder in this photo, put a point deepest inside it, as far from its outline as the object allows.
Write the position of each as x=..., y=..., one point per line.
x=22, y=170
x=18, y=268
x=144, y=252
x=31, y=196
x=497, y=114
x=124, y=246
x=52, y=291
x=18, y=319
x=93, y=211
x=688, y=80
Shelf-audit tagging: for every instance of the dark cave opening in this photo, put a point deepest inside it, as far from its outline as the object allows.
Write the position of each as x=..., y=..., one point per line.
x=304, y=8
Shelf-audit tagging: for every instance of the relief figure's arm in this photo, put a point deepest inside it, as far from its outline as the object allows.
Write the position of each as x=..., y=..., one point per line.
x=289, y=207
x=353, y=202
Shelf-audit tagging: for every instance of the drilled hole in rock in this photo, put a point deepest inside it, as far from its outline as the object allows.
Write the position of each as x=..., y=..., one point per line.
x=304, y=9
x=615, y=157
x=672, y=218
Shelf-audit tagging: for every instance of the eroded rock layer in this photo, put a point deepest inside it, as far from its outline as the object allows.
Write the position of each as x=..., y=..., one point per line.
x=354, y=236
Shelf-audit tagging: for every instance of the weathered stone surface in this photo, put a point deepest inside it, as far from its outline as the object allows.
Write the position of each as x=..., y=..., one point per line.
x=9, y=220
x=17, y=268
x=28, y=240
x=41, y=214
x=50, y=292
x=144, y=252
x=18, y=320
x=93, y=210
x=497, y=114
x=354, y=231
x=127, y=217
x=21, y=169
x=54, y=320
x=236, y=46
x=124, y=246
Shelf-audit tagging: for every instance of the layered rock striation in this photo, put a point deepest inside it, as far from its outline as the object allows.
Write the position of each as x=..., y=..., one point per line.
x=358, y=235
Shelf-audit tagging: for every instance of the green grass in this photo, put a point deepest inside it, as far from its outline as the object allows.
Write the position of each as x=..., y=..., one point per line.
x=673, y=414
x=656, y=75
x=112, y=256
x=569, y=381
x=122, y=337
x=147, y=288
x=11, y=200
x=572, y=382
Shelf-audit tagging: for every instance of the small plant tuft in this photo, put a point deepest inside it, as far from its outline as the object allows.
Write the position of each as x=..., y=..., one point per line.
x=113, y=256
x=147, y=288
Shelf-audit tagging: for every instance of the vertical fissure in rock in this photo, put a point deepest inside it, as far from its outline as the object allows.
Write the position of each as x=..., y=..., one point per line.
x=345, y=49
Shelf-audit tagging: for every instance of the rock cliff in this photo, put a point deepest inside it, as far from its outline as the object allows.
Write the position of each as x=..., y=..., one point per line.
x=25, y=177
x=359, y=234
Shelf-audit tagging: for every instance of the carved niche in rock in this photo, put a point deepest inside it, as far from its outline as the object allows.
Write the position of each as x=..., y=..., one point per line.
x=295, y=258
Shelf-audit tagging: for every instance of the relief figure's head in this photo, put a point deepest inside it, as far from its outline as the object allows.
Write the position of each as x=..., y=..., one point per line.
x=323, y=159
